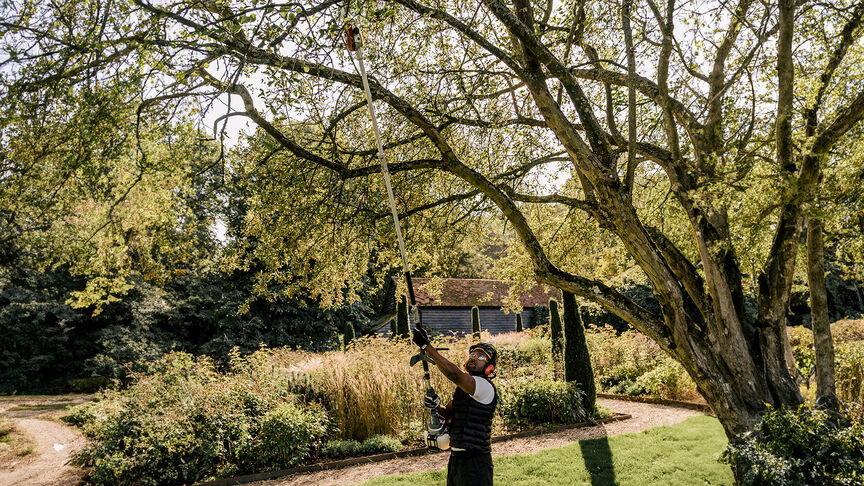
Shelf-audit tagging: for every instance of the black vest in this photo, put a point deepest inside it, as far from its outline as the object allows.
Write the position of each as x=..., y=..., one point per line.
x=471, y=428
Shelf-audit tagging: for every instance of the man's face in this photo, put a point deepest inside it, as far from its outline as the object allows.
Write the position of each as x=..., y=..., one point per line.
x=477, y=362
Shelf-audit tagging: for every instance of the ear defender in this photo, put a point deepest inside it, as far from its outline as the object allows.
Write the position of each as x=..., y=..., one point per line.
x=489, y=370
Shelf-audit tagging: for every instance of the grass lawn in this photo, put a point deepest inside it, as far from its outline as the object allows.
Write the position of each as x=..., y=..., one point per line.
x=684, y=455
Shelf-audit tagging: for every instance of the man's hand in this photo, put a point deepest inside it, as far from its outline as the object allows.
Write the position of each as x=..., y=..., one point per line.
x=419, y=336
x=431, y=399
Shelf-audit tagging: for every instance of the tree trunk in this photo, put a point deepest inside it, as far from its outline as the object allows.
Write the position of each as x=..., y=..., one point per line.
x=577, y=362
x=826, y=391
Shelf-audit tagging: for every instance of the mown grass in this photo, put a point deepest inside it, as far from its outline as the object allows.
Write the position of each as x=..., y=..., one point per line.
x=682, y=455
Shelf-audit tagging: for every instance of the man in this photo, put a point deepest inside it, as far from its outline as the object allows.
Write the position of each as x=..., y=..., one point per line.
x=469, y=414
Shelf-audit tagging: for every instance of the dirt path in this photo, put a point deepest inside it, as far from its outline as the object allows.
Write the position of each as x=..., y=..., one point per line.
x=645, y=416
x=53, y=443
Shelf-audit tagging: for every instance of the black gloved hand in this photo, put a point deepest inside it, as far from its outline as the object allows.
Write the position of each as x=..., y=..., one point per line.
x=431, y=399
x=419, y=336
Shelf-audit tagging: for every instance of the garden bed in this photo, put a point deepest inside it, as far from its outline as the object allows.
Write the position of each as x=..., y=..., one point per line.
x=701, y=407
x=337, y=464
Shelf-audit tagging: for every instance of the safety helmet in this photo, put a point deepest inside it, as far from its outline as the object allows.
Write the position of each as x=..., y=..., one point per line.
x=489, y=350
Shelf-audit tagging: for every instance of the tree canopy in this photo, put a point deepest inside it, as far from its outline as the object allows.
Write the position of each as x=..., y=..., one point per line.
x=510, y=111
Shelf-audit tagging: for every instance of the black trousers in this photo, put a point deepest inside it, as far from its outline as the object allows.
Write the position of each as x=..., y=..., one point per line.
x=468, y=468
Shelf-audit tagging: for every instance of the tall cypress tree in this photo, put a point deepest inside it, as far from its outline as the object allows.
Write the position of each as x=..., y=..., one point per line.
x=555, y=329
x=475, y=323
x=349, y=333
x=402, y=329
x=577, y=362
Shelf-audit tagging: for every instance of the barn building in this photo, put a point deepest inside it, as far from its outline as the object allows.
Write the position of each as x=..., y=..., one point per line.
x=449, y=311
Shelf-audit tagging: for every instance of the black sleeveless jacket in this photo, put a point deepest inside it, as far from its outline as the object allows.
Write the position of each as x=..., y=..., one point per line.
x=471, y=428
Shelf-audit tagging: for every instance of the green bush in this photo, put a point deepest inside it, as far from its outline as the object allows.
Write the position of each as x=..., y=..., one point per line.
x=541, y=402
x=533, y=351
x=601, y=412
x=798, y=448
x=287, y=435
x=184, y=422
x=668, y=380
x=337, y=448
x=621, y=357
x=627, y=387
x=374, y=444
x=377, y=444
x=849, y=373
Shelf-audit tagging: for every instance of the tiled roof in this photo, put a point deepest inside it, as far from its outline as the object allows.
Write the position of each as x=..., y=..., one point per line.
x=463, y=292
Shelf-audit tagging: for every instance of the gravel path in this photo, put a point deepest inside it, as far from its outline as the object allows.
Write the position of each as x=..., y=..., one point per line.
x=53, y=444
x=645, y=416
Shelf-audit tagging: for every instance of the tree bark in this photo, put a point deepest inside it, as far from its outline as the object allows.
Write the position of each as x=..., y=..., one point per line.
x=826, y=391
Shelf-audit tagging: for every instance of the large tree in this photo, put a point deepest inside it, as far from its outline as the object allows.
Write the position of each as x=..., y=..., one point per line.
x=513, y=106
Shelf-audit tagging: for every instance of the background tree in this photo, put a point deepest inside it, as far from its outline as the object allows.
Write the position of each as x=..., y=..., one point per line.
x=479, y=115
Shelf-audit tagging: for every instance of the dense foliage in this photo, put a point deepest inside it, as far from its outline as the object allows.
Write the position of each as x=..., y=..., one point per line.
x=797, y=447
x=848, y=336
x=631, y=364
x=374, y=444
x=182, y=422
x=52, y=347
x=542, y=402
x=511, y=109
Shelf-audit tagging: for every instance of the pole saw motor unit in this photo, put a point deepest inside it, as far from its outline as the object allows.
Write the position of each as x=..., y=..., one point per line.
x=436, y=438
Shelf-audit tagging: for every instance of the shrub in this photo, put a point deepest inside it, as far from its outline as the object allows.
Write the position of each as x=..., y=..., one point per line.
x=541, y=402
x=185, y=422
x=797, y=448
x=601, y=412
x=377, y=444
x=287, y=434
x=374, y=444
x=338, y=448
x=519, y=322
x=620, y=358
x=849, y=374
x=668, y=380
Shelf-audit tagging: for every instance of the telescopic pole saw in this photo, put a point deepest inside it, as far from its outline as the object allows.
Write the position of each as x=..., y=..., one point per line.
x=436, y=435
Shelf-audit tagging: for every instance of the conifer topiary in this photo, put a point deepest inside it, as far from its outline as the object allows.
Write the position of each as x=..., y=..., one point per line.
x=402, y=318
x=349, y=333
x=555, y=329
x=519, y=322
x=475, y=322
x=577, y=362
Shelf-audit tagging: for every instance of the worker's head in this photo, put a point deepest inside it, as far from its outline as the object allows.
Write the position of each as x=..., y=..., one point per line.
x=482, y=359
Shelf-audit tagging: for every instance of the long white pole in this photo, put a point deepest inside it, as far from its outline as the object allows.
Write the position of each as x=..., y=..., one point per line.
x=381, y=157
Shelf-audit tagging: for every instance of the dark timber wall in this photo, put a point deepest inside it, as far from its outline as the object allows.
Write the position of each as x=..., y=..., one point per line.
x=447, y=320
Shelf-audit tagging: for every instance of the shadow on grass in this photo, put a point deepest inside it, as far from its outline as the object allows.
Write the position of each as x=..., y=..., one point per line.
x=598, y=461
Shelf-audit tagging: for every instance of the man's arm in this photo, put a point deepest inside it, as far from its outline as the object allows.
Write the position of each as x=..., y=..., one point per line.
x=453, y=373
